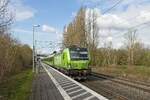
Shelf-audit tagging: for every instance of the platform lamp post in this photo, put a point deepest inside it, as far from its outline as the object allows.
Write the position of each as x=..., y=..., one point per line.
x=33, y=53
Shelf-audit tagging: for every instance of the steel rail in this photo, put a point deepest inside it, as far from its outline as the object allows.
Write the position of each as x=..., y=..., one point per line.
x=142, y=86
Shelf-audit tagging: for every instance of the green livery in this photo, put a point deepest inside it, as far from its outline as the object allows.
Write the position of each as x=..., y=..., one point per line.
x=73, y=61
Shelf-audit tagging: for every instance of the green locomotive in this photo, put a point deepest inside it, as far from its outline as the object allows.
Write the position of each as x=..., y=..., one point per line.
x=73, y=61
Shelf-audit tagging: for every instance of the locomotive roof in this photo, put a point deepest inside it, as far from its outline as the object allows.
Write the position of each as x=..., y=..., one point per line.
x=72, y=48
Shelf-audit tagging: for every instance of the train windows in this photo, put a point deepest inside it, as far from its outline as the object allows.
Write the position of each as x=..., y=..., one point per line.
x=74, y=55
x=79, y=54
x=84, y=55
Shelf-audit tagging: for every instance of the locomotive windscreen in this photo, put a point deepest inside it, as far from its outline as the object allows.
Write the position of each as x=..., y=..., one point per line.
x=79, y=54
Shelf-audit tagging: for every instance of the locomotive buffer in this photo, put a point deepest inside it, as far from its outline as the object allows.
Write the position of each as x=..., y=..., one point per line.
x=69, y=88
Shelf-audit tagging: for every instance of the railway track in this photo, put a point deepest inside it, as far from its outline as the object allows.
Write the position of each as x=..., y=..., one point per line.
x=117, y=88
x=135, y=84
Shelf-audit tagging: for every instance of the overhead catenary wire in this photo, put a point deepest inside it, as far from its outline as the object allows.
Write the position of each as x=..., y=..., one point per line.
x=119, y=2
x=133, y=28
x=109, y=9
x=51, y=45
x=112, y=7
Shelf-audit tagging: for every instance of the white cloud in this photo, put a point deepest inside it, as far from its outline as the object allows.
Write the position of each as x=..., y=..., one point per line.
x=117, y=22
x=24, y=15
x=48, y=29
x=112, y=21
x=45, y=28
x=109, y=39
x=119, y=44
x=44, y=38
x=22, y=11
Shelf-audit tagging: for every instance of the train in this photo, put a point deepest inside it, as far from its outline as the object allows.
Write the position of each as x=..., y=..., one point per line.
x=72, y=61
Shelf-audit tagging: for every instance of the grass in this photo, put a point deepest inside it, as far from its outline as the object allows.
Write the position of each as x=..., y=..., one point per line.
x=140, y=73
x=17, y=87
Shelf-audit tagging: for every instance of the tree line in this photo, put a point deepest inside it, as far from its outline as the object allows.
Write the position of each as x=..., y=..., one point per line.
x=14, y=56
x=83, y=31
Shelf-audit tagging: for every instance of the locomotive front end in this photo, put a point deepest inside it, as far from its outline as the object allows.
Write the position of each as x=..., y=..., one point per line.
x=79, y=62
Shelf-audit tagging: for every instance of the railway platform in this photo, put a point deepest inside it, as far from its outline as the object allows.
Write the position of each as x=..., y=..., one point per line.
x=43, y=88
x=53, y=85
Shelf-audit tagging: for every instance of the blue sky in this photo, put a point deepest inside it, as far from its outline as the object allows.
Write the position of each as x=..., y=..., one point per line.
x=53, y=15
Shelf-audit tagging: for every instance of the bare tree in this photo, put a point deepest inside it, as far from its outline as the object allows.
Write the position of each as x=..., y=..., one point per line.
x=75, y=33
x=83, y=31
x=6, y=42
x=6, y=17
x=92, y=34
x=130, y=42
